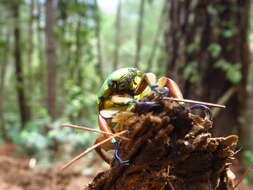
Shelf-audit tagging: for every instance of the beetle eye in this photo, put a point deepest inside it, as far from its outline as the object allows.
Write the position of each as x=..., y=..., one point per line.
x=113, y=85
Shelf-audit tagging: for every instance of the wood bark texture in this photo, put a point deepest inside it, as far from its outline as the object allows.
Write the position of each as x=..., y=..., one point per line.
x=170, y=149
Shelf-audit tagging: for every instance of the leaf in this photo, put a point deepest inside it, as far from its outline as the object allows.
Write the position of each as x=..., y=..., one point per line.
x=232, y=71
x=214, y=49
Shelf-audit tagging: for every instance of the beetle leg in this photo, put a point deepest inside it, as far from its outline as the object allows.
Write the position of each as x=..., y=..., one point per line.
x=117, y=156
x=150, y=79
x=103, y=125
x=163, y=86
x=172, y=86
x=92, y=148
x=207, y=111
x=126, y=100
x=99, y=149
x=151, y=104
x=147, y=79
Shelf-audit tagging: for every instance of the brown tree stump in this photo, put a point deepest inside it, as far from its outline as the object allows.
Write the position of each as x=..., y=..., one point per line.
x=170, y=149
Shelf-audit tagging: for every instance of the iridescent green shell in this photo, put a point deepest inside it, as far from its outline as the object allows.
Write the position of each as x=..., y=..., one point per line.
x=118, y=76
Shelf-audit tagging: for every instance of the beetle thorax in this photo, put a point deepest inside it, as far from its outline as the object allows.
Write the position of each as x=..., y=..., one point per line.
x=125, y=84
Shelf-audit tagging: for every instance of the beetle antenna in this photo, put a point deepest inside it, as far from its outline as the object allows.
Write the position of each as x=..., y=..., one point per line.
x=92, y=130
x=194, y=102
x=92, y=148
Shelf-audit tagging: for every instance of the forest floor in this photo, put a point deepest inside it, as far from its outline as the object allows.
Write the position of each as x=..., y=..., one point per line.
x=15, y=174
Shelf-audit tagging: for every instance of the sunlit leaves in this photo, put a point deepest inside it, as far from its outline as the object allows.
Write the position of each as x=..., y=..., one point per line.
x=194, y=46
x=232, y=71
x=214, y=49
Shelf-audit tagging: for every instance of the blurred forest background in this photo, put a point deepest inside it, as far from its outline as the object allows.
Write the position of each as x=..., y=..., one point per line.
x=55, y=54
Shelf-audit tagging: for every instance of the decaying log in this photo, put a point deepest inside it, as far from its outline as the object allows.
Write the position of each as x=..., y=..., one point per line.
x=170, y=149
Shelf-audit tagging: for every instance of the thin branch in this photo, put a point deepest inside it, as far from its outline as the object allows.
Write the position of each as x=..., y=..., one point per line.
x=92, y=130
x=194, y=102
x=224, y=99
x=92, y=148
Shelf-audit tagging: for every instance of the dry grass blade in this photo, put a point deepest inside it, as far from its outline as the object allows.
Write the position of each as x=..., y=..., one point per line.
x=194, y=102
x=92, y=130
x=92, y=148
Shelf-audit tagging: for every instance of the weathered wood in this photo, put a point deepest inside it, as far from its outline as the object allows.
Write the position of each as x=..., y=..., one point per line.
x=170, y=149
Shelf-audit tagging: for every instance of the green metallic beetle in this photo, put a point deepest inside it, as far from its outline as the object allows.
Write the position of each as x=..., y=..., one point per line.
x=120, y=91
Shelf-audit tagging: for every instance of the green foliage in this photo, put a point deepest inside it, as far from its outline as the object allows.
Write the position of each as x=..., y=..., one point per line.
x=212, y=10
x=40, y=136
x=214, y=49
x=77, y=80
x=228, y=28
x=228, y=33
x=232, y=71
x=194, y=46
x=191, y=72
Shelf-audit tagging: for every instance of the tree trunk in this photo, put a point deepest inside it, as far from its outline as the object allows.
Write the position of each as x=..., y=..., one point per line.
x=23, y=104
x=29, y=82
x=117, y=36
x=63, y=60
x=31, y=45
x=160, y=28
x=206, y=40
x=41, y=55
x=139, y=34
x=99, y=65
x=78, y=44
x=245, y=59
x=51, y=59
x=5, y=60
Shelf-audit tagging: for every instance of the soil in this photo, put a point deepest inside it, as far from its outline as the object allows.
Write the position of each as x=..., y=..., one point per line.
x=15, y=174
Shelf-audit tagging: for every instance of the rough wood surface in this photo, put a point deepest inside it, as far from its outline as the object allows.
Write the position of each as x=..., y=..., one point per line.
x=171, y=149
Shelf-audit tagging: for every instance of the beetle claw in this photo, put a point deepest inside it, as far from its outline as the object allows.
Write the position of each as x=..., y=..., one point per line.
x=207, y=111
x=117, y=156
x=161, y=91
